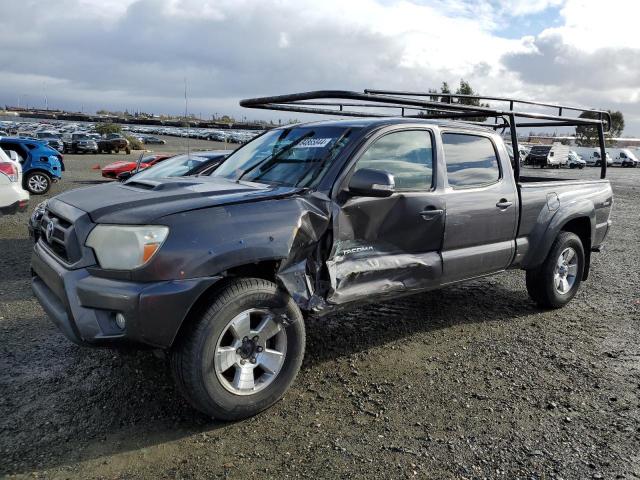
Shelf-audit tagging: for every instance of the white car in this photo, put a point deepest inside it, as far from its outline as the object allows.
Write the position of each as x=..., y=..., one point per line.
x=13, y=198
x=575, y=161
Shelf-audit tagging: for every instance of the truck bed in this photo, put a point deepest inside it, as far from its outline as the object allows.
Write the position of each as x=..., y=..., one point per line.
x=547, y=203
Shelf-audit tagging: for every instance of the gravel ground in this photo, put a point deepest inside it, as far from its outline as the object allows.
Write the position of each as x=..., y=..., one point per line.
x=469, y=382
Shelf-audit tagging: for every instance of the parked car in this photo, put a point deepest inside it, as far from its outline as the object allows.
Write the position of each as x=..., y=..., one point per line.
x=13, y=198
x=79, y=143
x=153, y=140
x=220, y=270
x=197, y=163
x=114, y=169
x=54, y=140
x=548, y=156
x=113, y=143
x=41, y=164
x=575, y=161
x=623, y=157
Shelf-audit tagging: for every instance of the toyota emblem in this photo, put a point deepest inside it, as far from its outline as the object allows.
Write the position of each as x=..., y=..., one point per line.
x=48, y=233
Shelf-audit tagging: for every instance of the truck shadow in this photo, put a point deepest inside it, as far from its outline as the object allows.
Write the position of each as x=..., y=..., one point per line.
x=65, y=404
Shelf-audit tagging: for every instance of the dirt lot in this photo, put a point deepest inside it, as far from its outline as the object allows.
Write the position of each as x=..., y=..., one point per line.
x=470, y=382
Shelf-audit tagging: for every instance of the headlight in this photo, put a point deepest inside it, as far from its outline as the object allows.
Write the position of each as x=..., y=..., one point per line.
x=123, y=247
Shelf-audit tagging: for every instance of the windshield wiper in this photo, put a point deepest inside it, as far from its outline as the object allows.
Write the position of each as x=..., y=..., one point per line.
x=274, y=156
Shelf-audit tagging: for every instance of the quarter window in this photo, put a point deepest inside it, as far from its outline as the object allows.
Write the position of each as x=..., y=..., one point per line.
x=407, y=155
x=471, y=160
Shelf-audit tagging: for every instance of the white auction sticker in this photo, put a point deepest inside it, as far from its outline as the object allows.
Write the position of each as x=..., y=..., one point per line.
x=313, y=143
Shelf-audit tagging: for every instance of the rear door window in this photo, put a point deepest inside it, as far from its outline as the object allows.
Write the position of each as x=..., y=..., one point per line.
x=471, y=160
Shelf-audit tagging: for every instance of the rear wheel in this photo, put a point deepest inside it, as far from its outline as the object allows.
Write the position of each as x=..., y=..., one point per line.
x=554, y=283
x=240, y=355
x=38, y=183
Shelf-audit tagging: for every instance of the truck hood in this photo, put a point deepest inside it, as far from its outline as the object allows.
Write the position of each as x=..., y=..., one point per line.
x=140, y=202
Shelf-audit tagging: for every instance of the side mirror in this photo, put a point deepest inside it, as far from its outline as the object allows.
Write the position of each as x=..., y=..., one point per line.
x=14, y=156
x=369, y=182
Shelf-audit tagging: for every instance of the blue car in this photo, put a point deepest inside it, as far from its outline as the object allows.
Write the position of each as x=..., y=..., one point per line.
x=41, y=164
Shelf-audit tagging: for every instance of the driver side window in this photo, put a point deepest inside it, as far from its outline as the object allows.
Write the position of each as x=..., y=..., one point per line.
x=407, y=155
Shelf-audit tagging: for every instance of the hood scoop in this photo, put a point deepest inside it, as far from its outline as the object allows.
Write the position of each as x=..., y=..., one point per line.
x=160, y=186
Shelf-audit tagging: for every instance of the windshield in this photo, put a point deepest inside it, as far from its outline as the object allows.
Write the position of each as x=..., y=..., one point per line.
x=295, y=156
x=172, y=167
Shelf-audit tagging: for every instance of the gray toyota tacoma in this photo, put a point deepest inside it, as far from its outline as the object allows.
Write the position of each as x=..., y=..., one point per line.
x=220, y=271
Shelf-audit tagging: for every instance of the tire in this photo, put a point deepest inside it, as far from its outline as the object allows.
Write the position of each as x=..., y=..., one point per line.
x=572, y=166
x=195, y=357
x=37, y=183
x=128, y=150
x=542, y=282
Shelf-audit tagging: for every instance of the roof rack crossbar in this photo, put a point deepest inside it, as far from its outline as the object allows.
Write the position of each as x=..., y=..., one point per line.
x=432, y=108
x=381, y=99
x=512, y=101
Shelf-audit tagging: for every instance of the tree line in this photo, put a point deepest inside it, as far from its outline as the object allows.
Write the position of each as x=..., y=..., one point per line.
x=586, y=136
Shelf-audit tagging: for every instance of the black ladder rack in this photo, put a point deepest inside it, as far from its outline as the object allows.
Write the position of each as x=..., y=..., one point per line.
x=425, y=105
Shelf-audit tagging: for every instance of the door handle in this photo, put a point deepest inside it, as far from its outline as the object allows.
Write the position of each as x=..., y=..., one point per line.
x=504, y=203
x=428, y=214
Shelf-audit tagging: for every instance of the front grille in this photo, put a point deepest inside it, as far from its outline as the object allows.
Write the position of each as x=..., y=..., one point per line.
x=59, y=236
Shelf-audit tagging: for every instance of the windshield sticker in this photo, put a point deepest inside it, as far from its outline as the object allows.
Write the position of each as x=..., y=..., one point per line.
x=313, y=143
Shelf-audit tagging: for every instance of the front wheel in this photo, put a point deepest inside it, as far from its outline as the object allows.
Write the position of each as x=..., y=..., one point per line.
x=242, y=353
x=37, y=183
x=554, y=283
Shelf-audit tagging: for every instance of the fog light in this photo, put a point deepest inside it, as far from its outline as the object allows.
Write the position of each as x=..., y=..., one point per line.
x=120, y=321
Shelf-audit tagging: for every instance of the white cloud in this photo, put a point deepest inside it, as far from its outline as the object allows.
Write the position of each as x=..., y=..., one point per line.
x=136, y=52
x=591, y=25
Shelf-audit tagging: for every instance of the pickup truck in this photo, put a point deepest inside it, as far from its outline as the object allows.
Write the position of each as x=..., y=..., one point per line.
x=220, y=271
x=79, y=142
x=113, y=143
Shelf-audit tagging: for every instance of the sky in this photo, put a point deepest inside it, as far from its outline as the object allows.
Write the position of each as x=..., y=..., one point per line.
x=136, y=54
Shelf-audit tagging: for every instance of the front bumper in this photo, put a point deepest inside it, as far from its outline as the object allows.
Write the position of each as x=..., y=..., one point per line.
x=84, y=306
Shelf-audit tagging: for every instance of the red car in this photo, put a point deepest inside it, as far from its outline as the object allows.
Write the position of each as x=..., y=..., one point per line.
x=112, y=170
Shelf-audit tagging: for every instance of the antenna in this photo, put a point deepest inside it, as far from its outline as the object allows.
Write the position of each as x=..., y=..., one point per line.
x=186, y=104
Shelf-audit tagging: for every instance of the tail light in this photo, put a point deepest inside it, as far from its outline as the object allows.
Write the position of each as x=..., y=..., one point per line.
x=10, y=170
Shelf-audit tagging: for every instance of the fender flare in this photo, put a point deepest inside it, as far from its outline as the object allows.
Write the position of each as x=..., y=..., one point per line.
x=542, y=237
